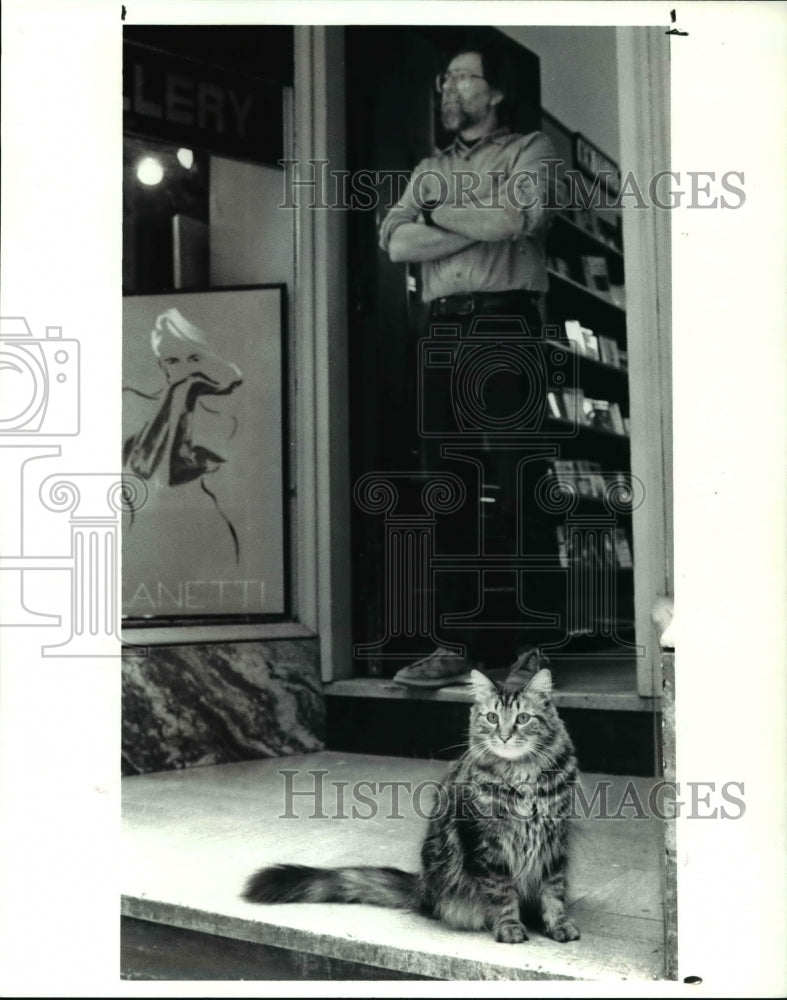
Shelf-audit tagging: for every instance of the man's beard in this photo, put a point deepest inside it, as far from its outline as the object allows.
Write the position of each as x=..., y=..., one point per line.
x=455, y=118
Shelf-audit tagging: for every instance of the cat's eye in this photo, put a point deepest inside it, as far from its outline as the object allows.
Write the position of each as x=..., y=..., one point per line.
x=522, y=718
x=492, y=716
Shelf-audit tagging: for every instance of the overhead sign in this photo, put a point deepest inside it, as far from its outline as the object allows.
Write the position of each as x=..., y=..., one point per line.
x=206, y=107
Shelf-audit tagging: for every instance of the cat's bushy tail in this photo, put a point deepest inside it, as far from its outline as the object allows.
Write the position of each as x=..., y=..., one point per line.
x=302, y=884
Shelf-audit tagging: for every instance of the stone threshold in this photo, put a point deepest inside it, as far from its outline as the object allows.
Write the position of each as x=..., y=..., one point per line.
x=603, y=685
x=191, y=838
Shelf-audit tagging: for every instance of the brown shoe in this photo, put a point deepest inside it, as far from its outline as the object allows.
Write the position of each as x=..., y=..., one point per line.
x=440, y=668
x=526, y=666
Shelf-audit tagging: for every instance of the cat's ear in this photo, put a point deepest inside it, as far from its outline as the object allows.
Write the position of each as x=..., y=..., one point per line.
x=482, y=687
x=541, y=683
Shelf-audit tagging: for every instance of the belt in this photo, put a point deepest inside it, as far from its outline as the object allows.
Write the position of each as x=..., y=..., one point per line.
x=475, y=302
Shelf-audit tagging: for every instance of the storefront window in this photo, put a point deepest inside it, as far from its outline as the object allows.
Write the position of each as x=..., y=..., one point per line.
x=208, y=269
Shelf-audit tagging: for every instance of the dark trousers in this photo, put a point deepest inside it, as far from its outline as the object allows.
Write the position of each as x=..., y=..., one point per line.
x=481, y=382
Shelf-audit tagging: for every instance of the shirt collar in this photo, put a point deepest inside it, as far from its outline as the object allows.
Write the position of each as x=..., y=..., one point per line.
x=458, y=146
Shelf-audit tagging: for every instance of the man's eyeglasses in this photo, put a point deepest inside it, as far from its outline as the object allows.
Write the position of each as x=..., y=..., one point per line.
x=459, y=78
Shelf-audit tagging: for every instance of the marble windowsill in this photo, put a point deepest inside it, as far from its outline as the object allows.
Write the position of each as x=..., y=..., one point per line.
x=169, y=635
x=215, y=703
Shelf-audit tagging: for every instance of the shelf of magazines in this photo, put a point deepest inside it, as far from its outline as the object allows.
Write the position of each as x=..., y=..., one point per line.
x=596, y=286
x=588, y=230
x=571, y=409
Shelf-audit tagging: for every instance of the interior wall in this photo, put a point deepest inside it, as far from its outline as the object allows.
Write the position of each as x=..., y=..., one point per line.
x=578, y=78
x=252, y=240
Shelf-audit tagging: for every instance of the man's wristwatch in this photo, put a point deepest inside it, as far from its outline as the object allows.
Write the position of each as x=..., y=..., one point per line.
x=426, y=210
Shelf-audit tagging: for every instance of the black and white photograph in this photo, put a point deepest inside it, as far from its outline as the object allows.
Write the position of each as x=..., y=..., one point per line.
x=392, y=581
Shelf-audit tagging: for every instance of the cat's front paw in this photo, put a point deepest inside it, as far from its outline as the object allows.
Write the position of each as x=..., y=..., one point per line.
x=511, y=933
x=564, y=931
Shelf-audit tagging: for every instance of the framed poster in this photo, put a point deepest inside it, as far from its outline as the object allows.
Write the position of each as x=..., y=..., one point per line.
x=204, y=433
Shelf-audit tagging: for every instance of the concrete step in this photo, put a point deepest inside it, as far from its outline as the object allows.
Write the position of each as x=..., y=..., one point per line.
x=192, y=837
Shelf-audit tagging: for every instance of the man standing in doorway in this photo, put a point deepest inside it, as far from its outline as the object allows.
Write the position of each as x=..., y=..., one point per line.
x=474, y=217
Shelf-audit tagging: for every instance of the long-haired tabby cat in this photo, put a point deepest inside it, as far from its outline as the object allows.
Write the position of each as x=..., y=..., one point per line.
x=498, y=850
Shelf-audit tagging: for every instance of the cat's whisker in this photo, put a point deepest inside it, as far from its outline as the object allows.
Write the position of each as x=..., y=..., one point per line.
x=455, y=746
x=541, y=755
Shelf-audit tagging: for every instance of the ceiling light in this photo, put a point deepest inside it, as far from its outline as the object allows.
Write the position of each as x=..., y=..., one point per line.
x=186, y=158
x=150, y=171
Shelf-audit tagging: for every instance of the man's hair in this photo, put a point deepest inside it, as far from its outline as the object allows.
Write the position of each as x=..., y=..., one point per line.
x=494, y=66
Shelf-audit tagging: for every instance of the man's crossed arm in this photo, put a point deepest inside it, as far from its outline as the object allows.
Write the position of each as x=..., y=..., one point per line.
x=413, y=242
x=487, y=211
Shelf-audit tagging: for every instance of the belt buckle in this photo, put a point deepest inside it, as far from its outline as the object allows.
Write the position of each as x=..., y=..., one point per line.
x=467, y=307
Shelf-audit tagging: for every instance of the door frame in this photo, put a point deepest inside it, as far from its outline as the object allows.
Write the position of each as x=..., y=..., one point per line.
x=644, y=118
x=322, y=476
x=322, y=517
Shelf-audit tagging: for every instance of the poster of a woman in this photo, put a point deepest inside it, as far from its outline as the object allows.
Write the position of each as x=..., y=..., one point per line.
x=209, y=537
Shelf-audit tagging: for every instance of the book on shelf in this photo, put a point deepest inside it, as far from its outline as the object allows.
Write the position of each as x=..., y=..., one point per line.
x=563, y=470
x=577, y=336
x=556, y=406
x=623, y=359
x=567, y=552
x=597, y=481
x=588, y=220
x=609, y=229
x=584, y=483
x=596, y=274
x=587, y=410
x=622, y=479
x=560, y=265
x=608, y=350
x=591, y=344
x=623, y=549
x=603, y=551
x=562, y=547
x=600, y=415
x=617, y=295
x=586, y=476
x=617, y=419
x=563, y=194
x=627, y=426
x=574, y=402
x=567, y=472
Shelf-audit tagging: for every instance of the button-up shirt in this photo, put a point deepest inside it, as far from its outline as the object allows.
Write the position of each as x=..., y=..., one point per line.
x=516, y=163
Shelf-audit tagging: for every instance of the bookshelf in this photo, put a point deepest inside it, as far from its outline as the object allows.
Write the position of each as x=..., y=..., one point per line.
x=590, y=475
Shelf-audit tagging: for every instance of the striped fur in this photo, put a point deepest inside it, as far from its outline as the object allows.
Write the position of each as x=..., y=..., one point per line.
x=302, y=884
x=501, y=847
